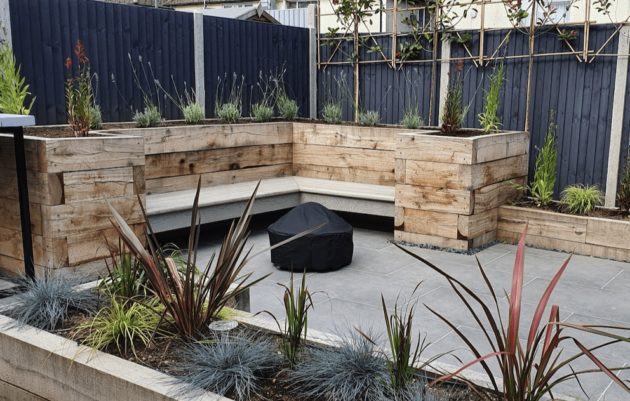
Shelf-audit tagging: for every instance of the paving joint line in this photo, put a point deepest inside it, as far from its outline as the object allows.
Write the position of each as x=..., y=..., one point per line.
x=611, y=280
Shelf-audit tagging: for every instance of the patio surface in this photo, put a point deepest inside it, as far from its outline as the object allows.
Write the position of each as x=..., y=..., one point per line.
x=592, y=290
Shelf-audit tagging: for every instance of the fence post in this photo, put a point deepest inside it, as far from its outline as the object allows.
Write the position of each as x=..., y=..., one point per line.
x=616, y=128
x=199, y=51
x=312, y=61
x=5, y=23
x=445, y=69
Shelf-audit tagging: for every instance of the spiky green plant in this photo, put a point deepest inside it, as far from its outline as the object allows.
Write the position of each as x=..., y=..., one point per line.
x=193, y=113
x=123, y=324
x=581, y=199
x=489, y=118
x=541, y=188
x=531, y=369
x=369, y=118
x=79, y=93
x=149, y=117
x=232, y=365
x=47, y=301
x=412, y=119
x=623, y=192
x=13, y=86
x=125, y=276
x=454, y=112
x=331, y=112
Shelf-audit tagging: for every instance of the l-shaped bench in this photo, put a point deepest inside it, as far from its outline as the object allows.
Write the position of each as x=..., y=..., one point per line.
x=170, y=211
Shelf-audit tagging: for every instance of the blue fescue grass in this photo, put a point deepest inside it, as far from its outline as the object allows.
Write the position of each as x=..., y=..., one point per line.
x=232, y=365
x=46, y=302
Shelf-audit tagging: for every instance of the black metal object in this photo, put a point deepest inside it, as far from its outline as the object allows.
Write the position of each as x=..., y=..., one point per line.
x=22, y=185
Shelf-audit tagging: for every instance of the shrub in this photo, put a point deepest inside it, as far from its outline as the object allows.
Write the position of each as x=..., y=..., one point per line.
x=123, y=324
x=369, y=118
x=541, y=188
x=332, y=112
x=411, y=119
x=150, y=117
x=262, y=112
x=623, y=193
x=530, y=369
x=453, y=113
x=96, y=117
x=46, y=302
x=79, y=94
x=233, y=365
x=13, y=87
x=229, y=110
x=489, y=119
x=352, y=371
x=581, y=199
x=193, y=113
x=287, y=107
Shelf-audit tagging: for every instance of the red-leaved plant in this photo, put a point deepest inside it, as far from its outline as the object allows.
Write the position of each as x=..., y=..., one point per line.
x=533, y=369
x=79, y=94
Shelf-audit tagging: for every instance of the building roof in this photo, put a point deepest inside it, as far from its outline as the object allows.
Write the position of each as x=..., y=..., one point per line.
x=257, y=13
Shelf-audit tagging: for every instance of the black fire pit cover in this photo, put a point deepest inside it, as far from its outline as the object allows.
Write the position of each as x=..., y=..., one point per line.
x=328, y=248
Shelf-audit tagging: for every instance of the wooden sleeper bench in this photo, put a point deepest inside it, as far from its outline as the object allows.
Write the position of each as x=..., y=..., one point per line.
x=170, y=211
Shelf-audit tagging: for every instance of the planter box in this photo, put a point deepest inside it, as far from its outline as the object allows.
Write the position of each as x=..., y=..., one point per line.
x=448, y=189
x=36, y=365
x=591, y=236
x=70, y=181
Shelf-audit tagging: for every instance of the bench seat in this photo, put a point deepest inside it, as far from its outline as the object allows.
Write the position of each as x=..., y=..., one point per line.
x=170, y=211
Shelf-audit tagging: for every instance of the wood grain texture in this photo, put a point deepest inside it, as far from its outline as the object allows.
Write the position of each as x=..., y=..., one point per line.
x=335, y=173
x=376, y=138
x=434, y=199
x=98, y=184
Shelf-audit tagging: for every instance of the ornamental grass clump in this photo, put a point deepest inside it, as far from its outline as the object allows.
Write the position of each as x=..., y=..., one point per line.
x=230, y=366
x=623, y=192
x=489, y=118
x=125, y=276
x=530, y=369
x=46, y=302
x=13, y=86
x=79, y=93
x=352, y=371
x=581, y=199
x=123, y=324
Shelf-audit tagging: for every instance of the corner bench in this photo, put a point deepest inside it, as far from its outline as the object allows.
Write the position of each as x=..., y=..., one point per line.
x=170, y=211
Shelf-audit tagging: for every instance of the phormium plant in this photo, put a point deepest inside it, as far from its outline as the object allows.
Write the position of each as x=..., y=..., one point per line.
x=13, y=87
x=581, y=199
x=193, y=297
x=531, y=369
x=489, y=118
x=79, y=94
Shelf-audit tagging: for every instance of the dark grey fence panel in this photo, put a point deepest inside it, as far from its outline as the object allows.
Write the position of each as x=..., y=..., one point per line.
x=390, y=91
x=625, y=139
x=245, y=49
x=118, y=39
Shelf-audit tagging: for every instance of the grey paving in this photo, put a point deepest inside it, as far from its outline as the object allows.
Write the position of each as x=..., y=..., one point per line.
x=592, y=290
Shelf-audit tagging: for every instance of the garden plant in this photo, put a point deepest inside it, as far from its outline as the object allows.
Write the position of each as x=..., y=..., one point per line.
x=580, y=199
x=489, y=118
x=13, y=87
x=79, y=93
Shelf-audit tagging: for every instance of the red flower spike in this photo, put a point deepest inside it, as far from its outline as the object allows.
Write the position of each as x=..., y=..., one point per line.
x=79, y=50
x=68, y=63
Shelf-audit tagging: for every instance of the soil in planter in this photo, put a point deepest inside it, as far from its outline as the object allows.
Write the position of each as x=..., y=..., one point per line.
x=557, y=207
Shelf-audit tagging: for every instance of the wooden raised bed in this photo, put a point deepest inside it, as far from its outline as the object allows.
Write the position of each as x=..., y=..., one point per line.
x=70, y=181
x=448, y=189
x=591, y=236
